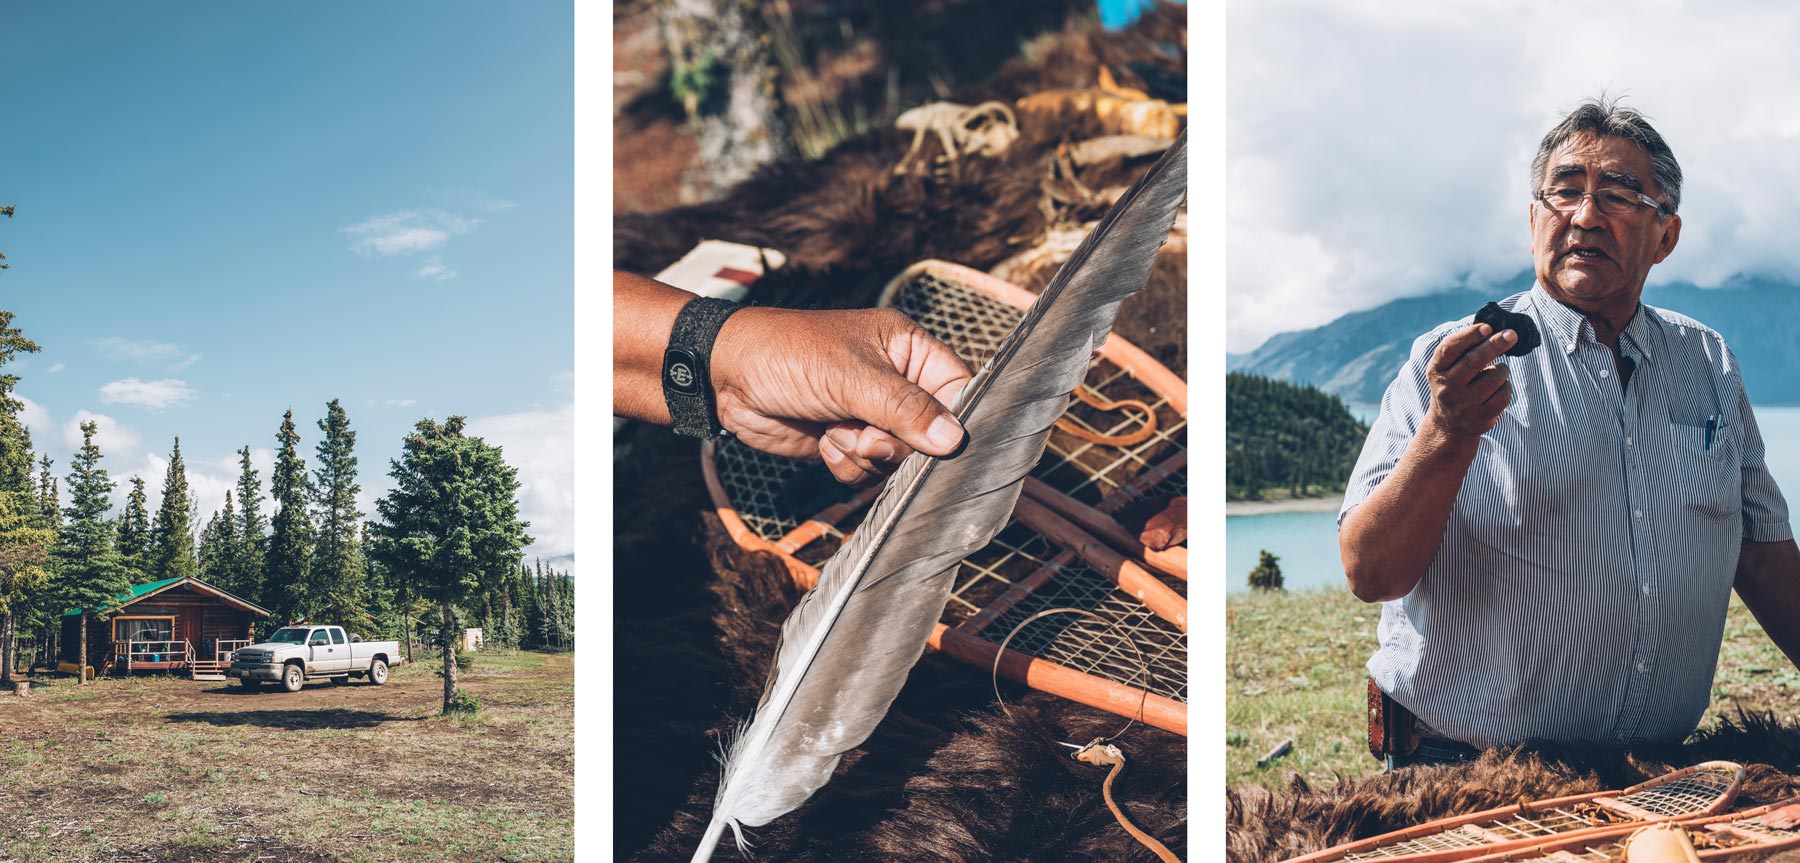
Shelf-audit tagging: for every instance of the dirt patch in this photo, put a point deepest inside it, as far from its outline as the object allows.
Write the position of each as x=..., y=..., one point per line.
x=261, y=850
x=171, y=769
x=293, y=720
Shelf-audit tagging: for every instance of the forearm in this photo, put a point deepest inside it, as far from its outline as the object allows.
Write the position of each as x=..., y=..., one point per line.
x=1388, y=541
x=1768, y=580
x=644, y=312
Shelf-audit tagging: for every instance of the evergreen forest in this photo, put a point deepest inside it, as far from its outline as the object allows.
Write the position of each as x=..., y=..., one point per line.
x=294, y=542
x=1286, y=440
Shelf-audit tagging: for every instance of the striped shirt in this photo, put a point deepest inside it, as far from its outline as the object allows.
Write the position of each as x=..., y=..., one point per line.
x=1579, y=594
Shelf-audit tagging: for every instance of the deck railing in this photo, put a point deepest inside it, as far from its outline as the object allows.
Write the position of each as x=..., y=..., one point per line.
x=225, y=648
x=130, y=652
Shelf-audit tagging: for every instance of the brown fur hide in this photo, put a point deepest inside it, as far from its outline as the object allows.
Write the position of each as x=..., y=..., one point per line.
x=947, y=776
x=848, y=224
x=1270, y=826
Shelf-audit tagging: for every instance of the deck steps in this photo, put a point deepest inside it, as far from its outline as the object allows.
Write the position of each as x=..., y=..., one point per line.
x=206, y=669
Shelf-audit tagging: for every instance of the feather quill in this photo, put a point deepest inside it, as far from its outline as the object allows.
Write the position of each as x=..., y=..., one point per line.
x=846, y=649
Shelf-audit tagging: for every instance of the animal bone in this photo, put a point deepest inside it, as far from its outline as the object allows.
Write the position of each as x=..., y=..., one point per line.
x=986, y=130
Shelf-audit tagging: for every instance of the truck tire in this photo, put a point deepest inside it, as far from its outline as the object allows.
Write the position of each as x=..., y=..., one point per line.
x=293, y=677
x=378, y=671
x=250, y=685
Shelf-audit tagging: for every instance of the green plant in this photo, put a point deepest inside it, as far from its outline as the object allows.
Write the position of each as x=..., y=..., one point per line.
x=692, y=81
x=1267, y=574
x=465, y=702
x=156, y=797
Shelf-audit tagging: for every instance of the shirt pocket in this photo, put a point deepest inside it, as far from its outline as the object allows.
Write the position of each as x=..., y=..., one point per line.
x=1709, y=477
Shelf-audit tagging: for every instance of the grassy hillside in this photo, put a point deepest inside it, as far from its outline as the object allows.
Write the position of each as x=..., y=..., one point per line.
x=1294, y=671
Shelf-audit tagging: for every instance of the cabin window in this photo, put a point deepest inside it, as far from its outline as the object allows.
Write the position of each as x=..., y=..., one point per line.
x=337, y=636
x=143, y=629
x=319, y=637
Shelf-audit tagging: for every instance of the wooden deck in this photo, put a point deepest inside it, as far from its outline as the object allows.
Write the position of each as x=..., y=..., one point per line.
x=174, y=656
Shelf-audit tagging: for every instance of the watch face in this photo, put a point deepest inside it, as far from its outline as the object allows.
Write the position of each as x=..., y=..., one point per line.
x=680, y=371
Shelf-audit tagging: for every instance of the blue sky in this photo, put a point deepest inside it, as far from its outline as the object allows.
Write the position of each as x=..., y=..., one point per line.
x=228, y=210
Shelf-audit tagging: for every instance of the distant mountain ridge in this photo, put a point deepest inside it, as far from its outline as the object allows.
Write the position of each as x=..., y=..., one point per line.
x=1356, y=356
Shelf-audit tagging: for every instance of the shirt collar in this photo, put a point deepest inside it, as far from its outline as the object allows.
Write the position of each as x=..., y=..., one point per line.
x=1567, y=328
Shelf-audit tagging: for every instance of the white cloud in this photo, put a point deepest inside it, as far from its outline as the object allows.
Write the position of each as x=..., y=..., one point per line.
x=55, y=368
x=143, y=351
x=34, y=416
x=155, y=395
x=435, y=270
x=541, y=445
x=1376, y=151
x=399, y=403
x=473, y=200
x=208, y=479
x=116, y=441
x=408, y=232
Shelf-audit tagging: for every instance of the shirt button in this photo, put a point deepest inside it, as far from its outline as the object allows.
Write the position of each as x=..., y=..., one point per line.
x=1604, y=374
x=1646, y=590
x=1637, y=514
x=1642, y=668
x=1628, y=440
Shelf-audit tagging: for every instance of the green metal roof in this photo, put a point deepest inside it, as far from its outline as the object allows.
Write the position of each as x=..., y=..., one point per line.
x=130, y=594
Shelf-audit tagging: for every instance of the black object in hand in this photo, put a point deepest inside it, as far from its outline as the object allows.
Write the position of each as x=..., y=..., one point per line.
x=1501, y=319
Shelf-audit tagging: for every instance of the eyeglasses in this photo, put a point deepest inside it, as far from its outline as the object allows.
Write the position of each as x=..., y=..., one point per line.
x=1613, y=201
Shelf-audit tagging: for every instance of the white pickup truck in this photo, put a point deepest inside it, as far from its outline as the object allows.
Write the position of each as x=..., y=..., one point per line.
x=296, y=654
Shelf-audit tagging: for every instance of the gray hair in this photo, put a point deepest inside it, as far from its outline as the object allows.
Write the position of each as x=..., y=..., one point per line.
x=1603, y=117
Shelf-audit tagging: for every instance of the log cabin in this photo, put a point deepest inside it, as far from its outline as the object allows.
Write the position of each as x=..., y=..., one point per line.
x=179, y=625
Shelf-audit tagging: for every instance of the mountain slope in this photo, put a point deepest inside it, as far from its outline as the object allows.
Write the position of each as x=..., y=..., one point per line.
x=1357, y=355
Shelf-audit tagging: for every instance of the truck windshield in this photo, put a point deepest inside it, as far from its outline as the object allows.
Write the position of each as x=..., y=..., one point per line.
x=289, y=636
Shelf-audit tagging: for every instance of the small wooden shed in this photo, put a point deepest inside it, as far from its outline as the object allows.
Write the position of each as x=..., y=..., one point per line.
x=177, y=624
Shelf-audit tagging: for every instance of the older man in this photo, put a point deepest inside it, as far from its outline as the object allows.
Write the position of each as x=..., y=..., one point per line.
x=1555, y=537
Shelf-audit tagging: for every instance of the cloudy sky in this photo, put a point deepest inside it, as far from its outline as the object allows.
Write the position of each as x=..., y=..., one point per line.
x=256, y=207
x=1379, y=150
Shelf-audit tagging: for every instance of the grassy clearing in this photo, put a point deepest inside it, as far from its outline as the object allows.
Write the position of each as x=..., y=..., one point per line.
x=1294, y=671
x=171, y=769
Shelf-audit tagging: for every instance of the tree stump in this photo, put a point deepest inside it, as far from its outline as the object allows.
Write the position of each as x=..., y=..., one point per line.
x=22, y=688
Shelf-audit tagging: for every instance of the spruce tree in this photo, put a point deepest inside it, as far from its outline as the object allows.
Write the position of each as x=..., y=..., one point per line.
x=288, y=567
x=567, y=584
x=526, y=587
x=171, y=552
x=23, y=547
x=381, y=608
x=219, y=548
x=88, y=572
x=451, y=524
x=47, y=491
x=337, y=557
x=251, y=532
x=25, y=544
x=132, y=538
x=229, y=547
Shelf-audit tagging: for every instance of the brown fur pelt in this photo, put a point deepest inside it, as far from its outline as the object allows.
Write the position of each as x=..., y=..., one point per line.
x=847, y=223
x=947, y=775
x=936, y=782
x=1269, y=826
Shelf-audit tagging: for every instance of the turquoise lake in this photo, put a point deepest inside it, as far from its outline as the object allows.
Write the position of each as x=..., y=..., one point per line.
x=1306, y=542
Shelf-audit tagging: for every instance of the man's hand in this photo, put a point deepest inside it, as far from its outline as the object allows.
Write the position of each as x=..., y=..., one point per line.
x=1388, y=541
x=860, y=389
x=1468, y=390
